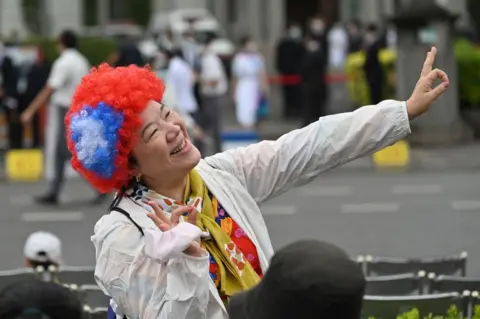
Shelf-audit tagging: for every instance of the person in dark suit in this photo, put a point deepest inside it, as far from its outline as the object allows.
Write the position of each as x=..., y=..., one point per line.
x=312, y=72
x=35, y=78
x=8, y=77
x=9, y=94
x=373, y=68
x=290, y=51
x=129, y=54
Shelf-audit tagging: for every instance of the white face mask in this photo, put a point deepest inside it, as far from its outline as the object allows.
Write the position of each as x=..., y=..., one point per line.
x=313, y=46
x=370, y=38
x=295, y=33
x=317, y=26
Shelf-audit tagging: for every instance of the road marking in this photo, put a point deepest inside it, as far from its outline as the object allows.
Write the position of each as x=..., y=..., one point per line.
x=32, y=217
x=333, y=191
x=280, y=210
x=26, y=200
x=465, y=205
x=417, y=189
x=370, y=208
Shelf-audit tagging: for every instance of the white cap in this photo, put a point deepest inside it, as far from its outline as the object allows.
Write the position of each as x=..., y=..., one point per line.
x=43, y=246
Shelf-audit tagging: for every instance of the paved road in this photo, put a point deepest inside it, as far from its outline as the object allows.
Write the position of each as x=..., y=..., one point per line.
x=408, y=214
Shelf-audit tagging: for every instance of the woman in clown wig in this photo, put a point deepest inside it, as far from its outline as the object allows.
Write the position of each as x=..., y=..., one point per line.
x=185, y=234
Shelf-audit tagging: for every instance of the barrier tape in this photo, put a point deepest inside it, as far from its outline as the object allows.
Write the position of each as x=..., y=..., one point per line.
x=295, y=79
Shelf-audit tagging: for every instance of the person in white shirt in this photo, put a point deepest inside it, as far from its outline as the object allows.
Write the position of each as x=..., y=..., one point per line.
x=338, y=46
x=180, y=79
x=67, y=72
x=250, y=83
x=180, y=75
x=43, y=249
x=186, y=234
x=214, y=88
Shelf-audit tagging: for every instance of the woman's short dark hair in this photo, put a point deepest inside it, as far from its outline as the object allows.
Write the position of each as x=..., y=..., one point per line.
x=39, y=299
x=68, y=39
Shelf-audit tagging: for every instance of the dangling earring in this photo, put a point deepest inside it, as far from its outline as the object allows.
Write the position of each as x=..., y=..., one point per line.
x=138, y=178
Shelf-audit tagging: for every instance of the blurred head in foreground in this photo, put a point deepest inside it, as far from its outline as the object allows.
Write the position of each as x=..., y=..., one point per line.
x=307, y=279
x=36, y=299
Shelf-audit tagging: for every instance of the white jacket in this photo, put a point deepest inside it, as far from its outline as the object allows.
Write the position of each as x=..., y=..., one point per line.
x=149, y=278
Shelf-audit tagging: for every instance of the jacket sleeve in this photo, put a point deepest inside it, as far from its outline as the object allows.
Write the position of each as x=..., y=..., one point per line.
x=270, y=168
x=150, y=283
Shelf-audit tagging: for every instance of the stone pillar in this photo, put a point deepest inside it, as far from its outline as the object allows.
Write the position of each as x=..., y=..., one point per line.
x=442, y=124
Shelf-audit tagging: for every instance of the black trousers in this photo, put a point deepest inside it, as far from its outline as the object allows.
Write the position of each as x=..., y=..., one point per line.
x=212, y=119
x=61, y=155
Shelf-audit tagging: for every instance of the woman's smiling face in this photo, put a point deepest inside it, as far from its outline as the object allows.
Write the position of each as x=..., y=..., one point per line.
x=163, y=146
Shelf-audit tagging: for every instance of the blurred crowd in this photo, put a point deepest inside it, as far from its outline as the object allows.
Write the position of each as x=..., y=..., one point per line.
x=200, y=79
x=305, y=58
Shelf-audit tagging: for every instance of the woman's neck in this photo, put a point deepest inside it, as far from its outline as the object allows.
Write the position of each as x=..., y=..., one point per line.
x=174, y=190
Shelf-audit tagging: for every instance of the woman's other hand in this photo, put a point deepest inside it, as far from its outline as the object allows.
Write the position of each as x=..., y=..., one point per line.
x=164, y=223
x=424, y=93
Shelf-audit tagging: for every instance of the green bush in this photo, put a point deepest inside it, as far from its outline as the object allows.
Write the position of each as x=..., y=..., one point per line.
x=452, y=313
x=468, y=60
x=95, y=49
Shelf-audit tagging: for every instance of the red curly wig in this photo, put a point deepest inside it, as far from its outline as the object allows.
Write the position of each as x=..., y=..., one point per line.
x=127, y=90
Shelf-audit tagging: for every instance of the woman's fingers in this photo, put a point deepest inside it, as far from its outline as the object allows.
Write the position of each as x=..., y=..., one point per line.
x=178, y=212
x=442, y=87
x=438, y=74
x=159, y=212
x=429, y=60
x=158, y=222
x=192, y=216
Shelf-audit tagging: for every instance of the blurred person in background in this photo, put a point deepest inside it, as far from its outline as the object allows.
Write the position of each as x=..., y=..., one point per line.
x=34, y=80
x=181, y=78
x=191, y=54
x=290, y=51
x=9, y=94
x=184, y=234
x=8, y=79
x=67, y=72
x=170, y=101
x=313, y=72
x=355, y=36
x=165, y=40
x=250, y=83
x=307, y=279
x=128, y=54
x=338, y=46
x=318, y=30
x=373, y=67
x=43, y=249
x=214, y=86
x=190, y=49
x=37, y=299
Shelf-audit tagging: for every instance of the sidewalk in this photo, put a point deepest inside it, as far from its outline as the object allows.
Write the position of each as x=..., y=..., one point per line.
x=461, y=157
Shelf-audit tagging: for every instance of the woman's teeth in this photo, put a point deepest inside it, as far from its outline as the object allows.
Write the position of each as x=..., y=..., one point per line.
x=178, y=149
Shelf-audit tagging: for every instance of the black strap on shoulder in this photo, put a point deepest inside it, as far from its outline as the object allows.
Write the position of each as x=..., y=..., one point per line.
x=124, y=213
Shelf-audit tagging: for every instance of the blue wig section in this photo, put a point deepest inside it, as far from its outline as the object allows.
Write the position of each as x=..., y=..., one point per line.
x=94, y=133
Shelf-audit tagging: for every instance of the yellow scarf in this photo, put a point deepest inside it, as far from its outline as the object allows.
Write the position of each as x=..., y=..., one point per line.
x=236, y=273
